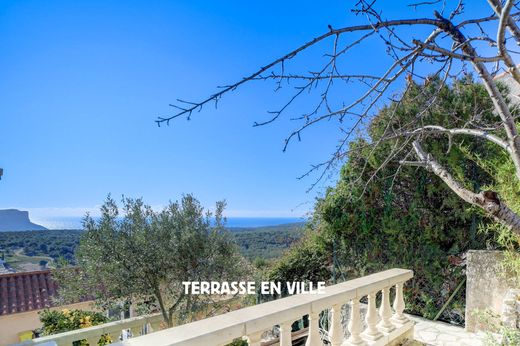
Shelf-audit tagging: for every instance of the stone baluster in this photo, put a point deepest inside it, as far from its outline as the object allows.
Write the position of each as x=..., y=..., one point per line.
x=354, y=325
x=399, y=317
x=372, y=333
x=136, y=331
x=115, y=335
x=147, y=328
x=385, y=312
x=254, y=339
x=313, y=339
x=156, y=326
x=285, y=334
x=336, y=329
x=93, y=340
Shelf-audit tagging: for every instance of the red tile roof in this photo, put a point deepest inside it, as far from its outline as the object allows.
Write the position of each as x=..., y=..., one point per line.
x=26, y=291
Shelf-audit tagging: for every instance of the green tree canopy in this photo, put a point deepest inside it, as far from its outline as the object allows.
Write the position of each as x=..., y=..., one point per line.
x=143, y=256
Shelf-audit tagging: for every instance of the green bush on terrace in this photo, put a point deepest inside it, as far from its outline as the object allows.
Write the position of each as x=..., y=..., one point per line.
x=60, y=321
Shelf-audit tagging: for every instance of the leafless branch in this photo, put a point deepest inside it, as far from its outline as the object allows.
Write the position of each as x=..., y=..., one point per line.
x=193, y=106
x=469, y=132
x=449, y=52
x=511, y=24
x=445, y=53
x=504, y=19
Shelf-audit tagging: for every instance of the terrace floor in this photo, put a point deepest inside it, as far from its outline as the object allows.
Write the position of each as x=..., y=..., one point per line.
x=444, y=334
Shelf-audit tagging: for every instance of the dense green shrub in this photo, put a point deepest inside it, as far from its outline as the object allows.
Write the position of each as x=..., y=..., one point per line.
x=382, y=215
x=307, y=260
x=59, y=321
x=502, y=169
x=238, y=342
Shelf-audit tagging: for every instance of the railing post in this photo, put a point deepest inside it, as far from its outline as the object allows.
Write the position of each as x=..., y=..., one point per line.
x=285, y=334
x=254, y=339
x=148, y=328
x=371, y=333
x=93, y=341
x=313, y=338
x=336, y=329
x=354, y=325
x=156, y=325
x=136, y=331
x=399, y=317
x=385, y=311
x=114, y=336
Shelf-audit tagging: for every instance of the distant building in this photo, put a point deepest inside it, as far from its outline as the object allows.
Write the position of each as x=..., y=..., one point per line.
x=514, y=87
x=22, y=296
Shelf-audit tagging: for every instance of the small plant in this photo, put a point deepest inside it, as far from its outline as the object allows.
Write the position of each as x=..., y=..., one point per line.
x=65, y=320
x=238, y=342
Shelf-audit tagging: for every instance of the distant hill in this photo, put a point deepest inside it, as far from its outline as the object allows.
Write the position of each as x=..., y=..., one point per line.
x=267, y=242
x=12, y=220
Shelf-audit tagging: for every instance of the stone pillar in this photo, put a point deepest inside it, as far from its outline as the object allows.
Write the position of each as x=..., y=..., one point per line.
x=486, y=285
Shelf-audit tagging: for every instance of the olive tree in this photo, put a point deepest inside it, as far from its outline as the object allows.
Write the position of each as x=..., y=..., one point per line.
x=142, y=256
x=446, y=44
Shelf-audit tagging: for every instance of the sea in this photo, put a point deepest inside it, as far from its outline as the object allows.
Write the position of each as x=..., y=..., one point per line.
x=76, y=222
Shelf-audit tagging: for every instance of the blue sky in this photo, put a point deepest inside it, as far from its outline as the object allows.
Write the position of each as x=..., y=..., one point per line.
x=83, y=81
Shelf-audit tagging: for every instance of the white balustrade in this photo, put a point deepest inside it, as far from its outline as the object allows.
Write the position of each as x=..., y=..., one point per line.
x=354, y=325
x=285, y=334
x=314, y=331
x=93, y=340
x=137, y=325
x=336, y=329
x=254, y=339
x=399, y=317
x=385, y=311
x=251, y=322
x=372, y=333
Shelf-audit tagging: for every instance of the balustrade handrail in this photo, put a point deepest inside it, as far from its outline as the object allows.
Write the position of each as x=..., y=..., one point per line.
x=115, y=327
x=251, y=322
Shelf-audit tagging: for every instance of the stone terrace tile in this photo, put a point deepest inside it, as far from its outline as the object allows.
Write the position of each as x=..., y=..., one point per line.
x=444, y=334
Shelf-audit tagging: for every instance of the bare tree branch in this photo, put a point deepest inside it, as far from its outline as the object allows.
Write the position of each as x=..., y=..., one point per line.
x=498, y=100
x=438, y=58
x=504, y=18
x=463, y=57
x=511, y=24
x=470, y=132
x=486, y=200
x=193, y=106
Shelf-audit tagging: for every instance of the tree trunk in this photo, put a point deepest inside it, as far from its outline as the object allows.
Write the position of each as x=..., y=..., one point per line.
x=487, y=200
x=164, y=311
